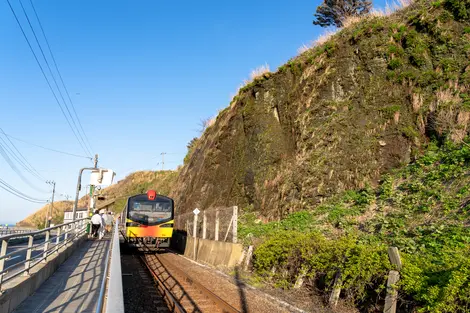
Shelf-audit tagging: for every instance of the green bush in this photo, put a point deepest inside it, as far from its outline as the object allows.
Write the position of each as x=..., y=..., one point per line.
x=460, y=8
x=394, y=64
x=363, y=266
x=439, y=283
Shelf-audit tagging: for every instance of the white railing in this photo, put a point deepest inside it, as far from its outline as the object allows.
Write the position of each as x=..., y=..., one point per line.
x=53, y=239
x=111, y=293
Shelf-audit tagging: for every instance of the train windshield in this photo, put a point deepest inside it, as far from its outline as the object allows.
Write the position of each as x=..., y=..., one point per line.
x=150, y=212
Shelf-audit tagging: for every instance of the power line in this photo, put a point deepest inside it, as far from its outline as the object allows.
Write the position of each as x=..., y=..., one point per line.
x=21, y=159
x=44, y=74
x=18, y=160
x=60, y=75
x=45, y=148
x=53, y=77
x=8, y=188
x=15, y=169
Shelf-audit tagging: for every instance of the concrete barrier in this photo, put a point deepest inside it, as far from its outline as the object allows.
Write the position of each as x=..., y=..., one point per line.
x=20, y=288
x=216, y=253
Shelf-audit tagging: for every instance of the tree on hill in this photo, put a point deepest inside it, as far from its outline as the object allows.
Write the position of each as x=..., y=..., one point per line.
x=334, y=12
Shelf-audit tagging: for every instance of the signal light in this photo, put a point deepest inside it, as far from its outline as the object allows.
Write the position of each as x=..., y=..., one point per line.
x=151, y=194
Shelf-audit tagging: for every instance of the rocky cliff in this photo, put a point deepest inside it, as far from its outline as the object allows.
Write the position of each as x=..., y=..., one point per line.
x=338, y=116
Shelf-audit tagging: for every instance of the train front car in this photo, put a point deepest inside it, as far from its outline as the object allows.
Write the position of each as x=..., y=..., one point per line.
x=150, y=217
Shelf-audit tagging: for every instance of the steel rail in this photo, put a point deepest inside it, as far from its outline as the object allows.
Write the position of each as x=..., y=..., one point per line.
x=219, y=302
x=172, y=303
x=223, y=305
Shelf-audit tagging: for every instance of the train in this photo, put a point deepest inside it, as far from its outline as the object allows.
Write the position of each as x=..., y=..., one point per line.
x=149, y=218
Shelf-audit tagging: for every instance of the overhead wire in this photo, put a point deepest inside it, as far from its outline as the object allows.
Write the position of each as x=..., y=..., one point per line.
x=19, y=157
x=10, y=189
x=9, y=150
x=46, y=148
x=53, y=77
x=60, y=75
x=5, y=156
x=44, y=74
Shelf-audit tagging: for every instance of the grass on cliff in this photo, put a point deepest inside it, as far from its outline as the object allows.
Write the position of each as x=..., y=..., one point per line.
x=423, y=209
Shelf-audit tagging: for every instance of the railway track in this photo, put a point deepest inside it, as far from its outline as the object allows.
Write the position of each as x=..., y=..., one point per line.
x=140, y=292
x=181, y=292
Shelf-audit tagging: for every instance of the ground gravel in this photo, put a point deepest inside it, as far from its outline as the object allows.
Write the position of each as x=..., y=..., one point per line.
x=236, y=293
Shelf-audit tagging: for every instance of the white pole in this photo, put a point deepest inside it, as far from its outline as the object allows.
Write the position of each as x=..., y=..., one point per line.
x=235, y=224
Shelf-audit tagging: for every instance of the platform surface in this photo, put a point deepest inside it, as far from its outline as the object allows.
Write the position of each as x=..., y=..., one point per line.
x=75, y=286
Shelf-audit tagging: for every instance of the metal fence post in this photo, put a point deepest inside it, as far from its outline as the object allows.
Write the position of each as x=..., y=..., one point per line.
x=46, y=245
x=216, y=234
x=57, y=241
x=27, y=264
x=66, y=235
x=235, y=224
x=204, y=224
x=3, y=251
x=195, y=235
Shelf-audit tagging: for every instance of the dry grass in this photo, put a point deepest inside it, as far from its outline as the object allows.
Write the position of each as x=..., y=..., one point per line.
x=259, y=71
x=304, y=48
x=390, y=8
x=460, y=131
x=256, y=73
x=352, y=20
x=324, y=37
x=417, y=101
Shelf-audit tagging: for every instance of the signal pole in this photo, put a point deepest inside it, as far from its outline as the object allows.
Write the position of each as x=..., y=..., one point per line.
x=163, y=159
x=49, y=215
x=79, y=185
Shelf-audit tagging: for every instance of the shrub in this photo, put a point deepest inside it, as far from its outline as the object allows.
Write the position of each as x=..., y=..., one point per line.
x=363, y=266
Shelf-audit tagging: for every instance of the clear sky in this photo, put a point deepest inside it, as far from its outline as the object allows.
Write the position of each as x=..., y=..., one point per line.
x=141, y=74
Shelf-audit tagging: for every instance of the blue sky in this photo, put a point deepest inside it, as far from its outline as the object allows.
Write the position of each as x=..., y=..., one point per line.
x=141, y=74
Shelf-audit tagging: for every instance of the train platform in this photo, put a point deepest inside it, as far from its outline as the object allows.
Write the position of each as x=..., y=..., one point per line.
x=75, y=286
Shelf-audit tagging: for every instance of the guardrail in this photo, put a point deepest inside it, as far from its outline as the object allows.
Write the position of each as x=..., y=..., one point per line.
x=111, y=285
x=13, y=230
x=50, y=245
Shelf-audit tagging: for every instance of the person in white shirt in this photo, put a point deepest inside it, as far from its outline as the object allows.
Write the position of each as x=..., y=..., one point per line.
x=96, y=223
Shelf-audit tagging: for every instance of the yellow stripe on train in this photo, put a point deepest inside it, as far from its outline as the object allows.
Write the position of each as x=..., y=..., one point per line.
x=157, y=231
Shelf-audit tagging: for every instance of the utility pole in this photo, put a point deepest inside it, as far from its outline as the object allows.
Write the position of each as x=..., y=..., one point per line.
x=49, y=215
x=163, y=159
x=96, y=161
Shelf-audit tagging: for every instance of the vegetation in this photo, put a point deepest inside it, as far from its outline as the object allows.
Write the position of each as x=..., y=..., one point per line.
x=191, y=146
x=334, y=12
x=423, y=209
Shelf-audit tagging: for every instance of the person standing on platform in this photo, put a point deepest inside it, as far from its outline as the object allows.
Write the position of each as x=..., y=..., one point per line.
x=108, y=221
x=96, y=223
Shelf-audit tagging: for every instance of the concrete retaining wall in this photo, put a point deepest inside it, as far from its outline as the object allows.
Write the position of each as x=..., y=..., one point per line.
x=216, y=253
x=20, y=288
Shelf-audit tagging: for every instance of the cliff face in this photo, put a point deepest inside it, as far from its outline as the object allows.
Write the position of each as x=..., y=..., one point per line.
x=337, y=116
